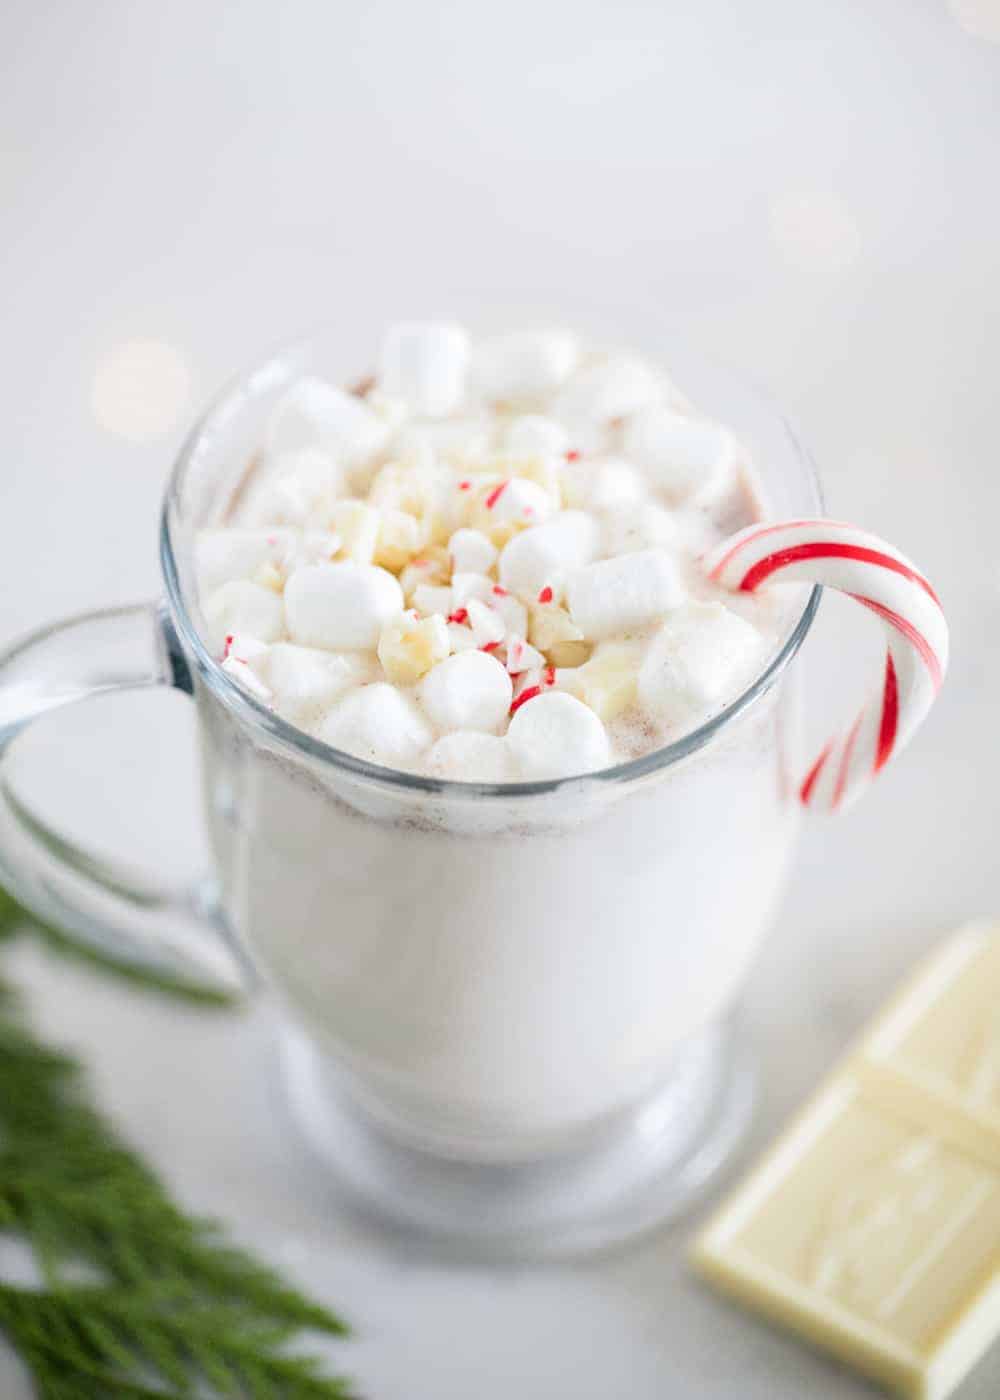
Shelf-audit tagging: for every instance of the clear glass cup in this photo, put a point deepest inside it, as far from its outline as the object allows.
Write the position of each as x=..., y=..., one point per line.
x=504, y=1011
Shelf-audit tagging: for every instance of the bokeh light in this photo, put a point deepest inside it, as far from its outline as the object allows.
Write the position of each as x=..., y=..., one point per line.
x=980, y=18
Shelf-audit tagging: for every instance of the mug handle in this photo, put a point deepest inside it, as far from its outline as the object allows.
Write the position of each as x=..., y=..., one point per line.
x=117, y=911
x=875, y=574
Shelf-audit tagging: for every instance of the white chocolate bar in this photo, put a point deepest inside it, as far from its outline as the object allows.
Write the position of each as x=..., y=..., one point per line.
x=872, y=1226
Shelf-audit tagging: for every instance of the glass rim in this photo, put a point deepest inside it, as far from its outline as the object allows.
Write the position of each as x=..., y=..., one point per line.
x=250, y=709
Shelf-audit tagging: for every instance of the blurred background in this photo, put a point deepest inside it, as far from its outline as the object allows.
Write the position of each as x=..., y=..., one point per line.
x=806, y=190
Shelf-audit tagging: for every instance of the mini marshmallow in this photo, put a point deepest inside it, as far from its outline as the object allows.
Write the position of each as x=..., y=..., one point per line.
x=609, y=389
x=533, y=435
x=470, y=757
x=471, y=690
x=455, y=440
x=684, y=456
x=297, y=488
x=628, y=528
x=425, y=366
x=471, y=552
x=543, y=555
x=357, y=524
x=306, y=682
x=523, y=365
x=408, y=647
x=621, y=595
x=602, y=486
x=221, y=556
x=340, y=607
x=242, y=606
x=486, y=625
x=429, y=598
x=314, y=414
x=698, y=660
x=378, y=723
x=554, y=735
x=518, y=501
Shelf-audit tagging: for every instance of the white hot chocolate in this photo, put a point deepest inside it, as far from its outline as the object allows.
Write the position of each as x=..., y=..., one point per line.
x=481, y=564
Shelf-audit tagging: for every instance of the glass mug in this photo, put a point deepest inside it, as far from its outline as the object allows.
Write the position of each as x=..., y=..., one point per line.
x=504, y=1011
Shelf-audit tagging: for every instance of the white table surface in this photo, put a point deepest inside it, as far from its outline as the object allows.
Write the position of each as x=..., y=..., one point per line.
x=808, y=190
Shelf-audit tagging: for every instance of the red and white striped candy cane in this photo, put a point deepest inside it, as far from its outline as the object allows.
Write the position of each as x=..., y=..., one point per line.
x=873, y=573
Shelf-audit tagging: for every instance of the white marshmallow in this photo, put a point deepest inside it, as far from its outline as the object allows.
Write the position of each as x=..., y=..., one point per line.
x=429, y=598
x=684, y=456
x=520, y=502
x=698, y=660
x=241, y=606
x=612, y=388
x=541, y=556
x=378, y=723
x=297, y=489
x=471, y=690
x=452, y=440
x=555, y=736
x=603, y=485
x=425, y=366
x=532, y=435
x=617, y=596
x=469, y=757
x=487, y=626
x=224, y=555
x=340, y=607
x=524, y=364
x=316, y=414
x=306, y=682
x=471, y=552
x=646, y=525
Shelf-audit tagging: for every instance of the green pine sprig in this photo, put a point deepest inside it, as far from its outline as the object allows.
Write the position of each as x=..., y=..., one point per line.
x=137, y=1300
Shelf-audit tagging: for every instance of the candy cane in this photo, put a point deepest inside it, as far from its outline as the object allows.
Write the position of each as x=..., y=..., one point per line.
x=873, y=573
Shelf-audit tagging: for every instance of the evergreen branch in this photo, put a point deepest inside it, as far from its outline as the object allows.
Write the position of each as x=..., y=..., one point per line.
x=173, y=1310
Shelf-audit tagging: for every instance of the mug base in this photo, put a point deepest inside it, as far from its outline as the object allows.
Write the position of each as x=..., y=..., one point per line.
x=647, y=1170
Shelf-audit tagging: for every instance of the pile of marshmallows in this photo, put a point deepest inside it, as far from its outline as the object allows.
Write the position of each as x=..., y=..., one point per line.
x=480, y=564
